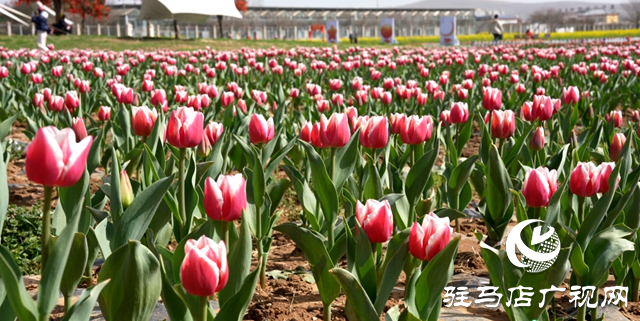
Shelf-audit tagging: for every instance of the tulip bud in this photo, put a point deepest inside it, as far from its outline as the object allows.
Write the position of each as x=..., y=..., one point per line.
x=445, y=117
x=605, y=173
x=65, y=158
x=616, y=146
x=416, y=130
x=376, y=219
x=585, y=180
x=570, y=95
x=459, y=113
x=614, y=116
x=492, y=98
x=260, y=130
x=213, y=131
x=305, y=132
x=225, y=199
x=536, y=142
x=428, y=239
x=503, y=123
x=38, y=100
x=374, y=133
x=204, y=147
x=71, y=101
x=538, y=186
x=204, y=270
x=337, y=132
x=104, y=113
x=520, y=89
x=142, y=120
x=79, y=128
x=126, y=191
x=185, y=128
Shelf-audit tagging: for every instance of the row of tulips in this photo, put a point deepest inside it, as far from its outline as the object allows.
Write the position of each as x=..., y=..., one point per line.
x=358, y=140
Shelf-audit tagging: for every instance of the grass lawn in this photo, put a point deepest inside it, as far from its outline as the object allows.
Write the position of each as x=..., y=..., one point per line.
x=119, y=44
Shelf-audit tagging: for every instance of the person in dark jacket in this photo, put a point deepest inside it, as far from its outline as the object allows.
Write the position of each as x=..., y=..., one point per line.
x=62, y=27
x=42, y=28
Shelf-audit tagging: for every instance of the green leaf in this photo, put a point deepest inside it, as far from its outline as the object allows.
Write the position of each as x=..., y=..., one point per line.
x=83, y=308
x=93, y=160
x=21, y=302
x=419, y=175
x=604, y=248
x=71, y=198
x=53, y=271
x=135, y=283
x=577, y=261
x=236, y=306
x=514, y=152
x=74, y=267
x=392, y=270
x=356, y=296
x=433, y=279
x=4, y=192
x=136, y=218
x=312, y=245
x=364, y=266
x=240, y=258
x=346, y=161
x=277, y=158
x=323, y=186
x=6, y=126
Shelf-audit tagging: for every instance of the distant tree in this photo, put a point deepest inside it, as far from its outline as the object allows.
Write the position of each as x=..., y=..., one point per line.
x=632, y=8
x=92, y=8
x=57, y=5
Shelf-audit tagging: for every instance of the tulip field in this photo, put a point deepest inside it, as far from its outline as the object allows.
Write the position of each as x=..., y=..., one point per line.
x=317, y=183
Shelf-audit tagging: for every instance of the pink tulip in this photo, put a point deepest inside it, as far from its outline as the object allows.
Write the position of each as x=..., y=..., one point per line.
x=492, y=98
x=322, y=105
x=520, y=89
x=71, y=100
x=142, y=120
x=4, y=72
x=335, y=84
x=125, y=96
x=336, y=133
x=56, y=103
x=305, y=132
x=459, y=113
x=158, y=97
x=79, y=128
x=397, y=122
x=147, y=86
x=571, y=95
x=54, y=158
x=36, y=78
x=337, y=99
x=213, y=131
x=185, y=127
x=352, y=116
x=614, y=116
x=538, y=186
x=536, y=142
x=225, y=199
x=227, y=98
x=542, y=108
x=315, y=133
x=605, y=173
x=445, y=117
x=260, y=129
x=376, y=220
x=25, y=69
x=428, y=239
x=204, y=270
x=585, y=180
x=416, y=129
x=294, y=93
x=38, y=100
x=616, y=146
x=104, y=113
x=503, y=123
x=374, y=133
x=260, y=97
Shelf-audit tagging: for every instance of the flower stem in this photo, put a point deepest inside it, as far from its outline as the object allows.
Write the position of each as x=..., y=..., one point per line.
x=582, y=313
x=332, y=222
x=204, y=308
x=46, y=226
x=183, y=211
x=225, y=234
x=326, y=312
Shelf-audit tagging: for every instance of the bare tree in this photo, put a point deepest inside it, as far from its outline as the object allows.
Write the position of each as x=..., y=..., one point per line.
x=632, y=8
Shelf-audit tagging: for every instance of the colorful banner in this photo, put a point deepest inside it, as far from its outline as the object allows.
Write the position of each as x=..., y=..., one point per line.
x=333, y=31
x=448, y=31
x=387, y=30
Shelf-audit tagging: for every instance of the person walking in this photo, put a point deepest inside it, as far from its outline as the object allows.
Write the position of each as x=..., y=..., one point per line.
x=39, y=18
x=496, y=29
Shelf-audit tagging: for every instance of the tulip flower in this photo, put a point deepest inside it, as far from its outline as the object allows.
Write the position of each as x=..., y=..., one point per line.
x=614, y=116
x=147, y=85
x=213, y=131
x=336, y=131
x=570, y=96
x=55, y=158
x=615, y=150
x=71, y=101
x=4, y=72
x=227, y=98
x=459, y=113
x=185, y=127
x=376, y=219
x=503, y=123
x=204, y=147
x=428, y=239
x=585, y=180
x=520, y=89
x=225, y=199
x=315, y=134
x=386, y=98
x=538, y=186
x=322, y=105
x=142, y=120
x=305, y=132
x=335, y=84
x=38, y=100
x=260, y=130
x=445, y=117
x=204, y=270
x=605, y=173
x=126, y=191
x=397, y=122
x=294, y=93
x=374, y=133
x=79, y=128
x=56, y=103
x=541, y=109
x=492, y=98
x=536, y=142
x=158, y=97
x=416, y=129
x=36, y=78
